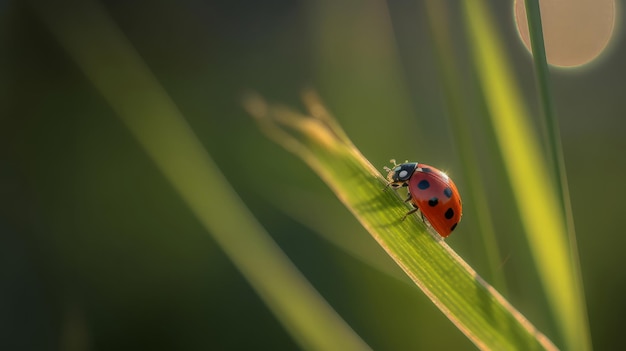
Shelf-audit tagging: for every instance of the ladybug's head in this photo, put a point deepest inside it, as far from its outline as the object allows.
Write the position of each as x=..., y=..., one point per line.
x=400, y=174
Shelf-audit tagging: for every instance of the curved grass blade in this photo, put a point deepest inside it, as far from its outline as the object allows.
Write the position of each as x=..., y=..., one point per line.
x=538, y=203
x=93, y=40
x=475, y=307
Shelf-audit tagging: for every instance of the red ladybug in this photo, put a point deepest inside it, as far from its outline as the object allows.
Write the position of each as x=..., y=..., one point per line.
x=431, y=192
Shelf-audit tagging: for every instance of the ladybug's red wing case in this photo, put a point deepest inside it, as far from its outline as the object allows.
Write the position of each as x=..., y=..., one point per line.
x=437, y=198
x=431, y=191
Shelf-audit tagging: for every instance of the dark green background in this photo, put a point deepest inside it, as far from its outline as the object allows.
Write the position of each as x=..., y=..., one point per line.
x=98, y=252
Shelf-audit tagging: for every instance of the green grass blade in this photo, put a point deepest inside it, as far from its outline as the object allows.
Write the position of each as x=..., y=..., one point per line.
x=553, y=136
x=475, y=307
x=538, y=202
x=438, y=19
x=92, y=39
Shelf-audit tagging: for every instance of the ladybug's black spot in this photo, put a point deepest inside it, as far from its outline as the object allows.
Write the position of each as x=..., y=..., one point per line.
x=449, y=213
x=426, y=170
x=453, y=227
x=424, y=184
x=447, y=192
x=433, y=202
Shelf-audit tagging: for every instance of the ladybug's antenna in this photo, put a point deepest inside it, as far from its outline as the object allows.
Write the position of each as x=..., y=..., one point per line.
x=387, y=169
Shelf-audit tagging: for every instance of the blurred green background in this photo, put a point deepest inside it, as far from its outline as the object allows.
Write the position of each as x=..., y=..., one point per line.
x=98, y=251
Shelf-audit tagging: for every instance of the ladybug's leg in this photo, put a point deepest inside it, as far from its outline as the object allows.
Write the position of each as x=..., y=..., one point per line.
x=408, y=198
x=391, y=185
x=415, y=209
x=410, y=212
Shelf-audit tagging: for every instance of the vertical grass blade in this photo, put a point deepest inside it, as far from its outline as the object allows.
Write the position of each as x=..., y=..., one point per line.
x=92, y=39
x=553, y=142
x=459, y=125
x=475, y=307
x=537, y=200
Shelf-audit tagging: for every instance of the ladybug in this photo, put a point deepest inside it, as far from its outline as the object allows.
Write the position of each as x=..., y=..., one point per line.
x=431, y=191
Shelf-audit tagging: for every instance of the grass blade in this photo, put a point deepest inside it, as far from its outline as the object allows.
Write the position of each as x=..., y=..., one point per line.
x=537, y=201
x=92, y=39
x=552, y=134
x=477, y=309
x=447, y=67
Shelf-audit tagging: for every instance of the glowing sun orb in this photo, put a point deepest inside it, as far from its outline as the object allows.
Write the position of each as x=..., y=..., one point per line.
x=576, y=32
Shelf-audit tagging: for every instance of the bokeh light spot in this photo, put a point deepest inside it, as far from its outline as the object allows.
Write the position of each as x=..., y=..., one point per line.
x=575, y=32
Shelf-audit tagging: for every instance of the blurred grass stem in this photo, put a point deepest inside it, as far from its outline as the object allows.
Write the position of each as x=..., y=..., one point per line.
x=555, y=150
x=456, y=107
x=93, y=40
x=537, y=201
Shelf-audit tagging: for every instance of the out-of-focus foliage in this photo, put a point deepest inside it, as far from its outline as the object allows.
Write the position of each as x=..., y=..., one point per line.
x=99, y=252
